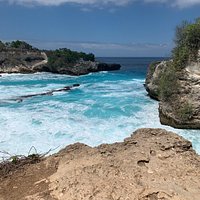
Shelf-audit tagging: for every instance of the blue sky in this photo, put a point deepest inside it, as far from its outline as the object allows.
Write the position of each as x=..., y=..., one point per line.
x=106, y=27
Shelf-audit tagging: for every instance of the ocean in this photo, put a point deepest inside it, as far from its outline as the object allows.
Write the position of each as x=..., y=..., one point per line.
x=106, y=108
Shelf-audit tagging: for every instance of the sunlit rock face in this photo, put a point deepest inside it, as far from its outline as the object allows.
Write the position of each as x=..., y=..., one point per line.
x=182, y=109
x=31, y=61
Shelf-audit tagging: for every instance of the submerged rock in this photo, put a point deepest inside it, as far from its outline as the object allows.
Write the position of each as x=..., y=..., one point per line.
x=49, y=93
x=152, y=164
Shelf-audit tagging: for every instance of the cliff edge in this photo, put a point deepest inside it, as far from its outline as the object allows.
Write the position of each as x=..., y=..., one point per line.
x=152, y=164
x=176, y=83
x=177, y=92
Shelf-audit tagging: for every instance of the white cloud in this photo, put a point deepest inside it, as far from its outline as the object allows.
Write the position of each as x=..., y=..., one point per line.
x=177, y=3
x=109, y=49
x=186, y=3
x=59, y=2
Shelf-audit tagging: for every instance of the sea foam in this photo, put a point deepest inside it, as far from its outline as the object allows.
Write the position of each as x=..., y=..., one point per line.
x=106, y=108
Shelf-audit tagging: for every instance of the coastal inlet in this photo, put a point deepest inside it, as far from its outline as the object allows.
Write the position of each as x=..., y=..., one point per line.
x=105, y=108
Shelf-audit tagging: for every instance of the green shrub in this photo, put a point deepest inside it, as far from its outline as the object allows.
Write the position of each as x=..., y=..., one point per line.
x=61, y=57
x=185, y=112
x=181, y=57
x=2, y=45
x=187, y=42
x=20, y=45
x=152, y=67
x=168, y=84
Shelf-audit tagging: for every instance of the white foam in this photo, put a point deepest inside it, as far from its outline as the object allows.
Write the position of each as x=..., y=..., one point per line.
x=99, y=112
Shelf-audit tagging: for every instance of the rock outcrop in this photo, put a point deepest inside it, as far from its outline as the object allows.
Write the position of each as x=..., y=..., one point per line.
x=182, y=108
x=13, y=60
x=176, y=83
x=21, y=60
x=48, y=93
x=79, y=68
x=152, y=164
x=153, y=76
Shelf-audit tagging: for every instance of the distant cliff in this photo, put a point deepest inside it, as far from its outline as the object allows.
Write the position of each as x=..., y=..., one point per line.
x=176, y=83
x=20, y=57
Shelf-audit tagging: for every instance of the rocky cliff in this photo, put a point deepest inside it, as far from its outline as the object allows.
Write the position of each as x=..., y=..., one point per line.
x=178, y=93
x=78, y=68
x=20, y=57
x=21, y=61
x=153, y=77
x=152, y=164
x=176, y=83
x=182, y=110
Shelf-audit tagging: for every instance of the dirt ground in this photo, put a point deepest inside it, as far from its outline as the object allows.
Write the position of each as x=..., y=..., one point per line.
x=152, y=164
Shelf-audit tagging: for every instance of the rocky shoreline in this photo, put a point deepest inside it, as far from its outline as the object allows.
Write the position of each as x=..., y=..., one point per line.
x=152, y=164
x=23, y=60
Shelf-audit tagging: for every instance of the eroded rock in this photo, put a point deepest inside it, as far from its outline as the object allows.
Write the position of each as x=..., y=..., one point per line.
x=170, y=170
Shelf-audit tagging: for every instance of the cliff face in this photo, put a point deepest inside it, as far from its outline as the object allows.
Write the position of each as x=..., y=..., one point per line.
x=79, y=68
x=21, y=61
x=181, y=108
x=152, y=164
x=14, y=60
x=154, y=74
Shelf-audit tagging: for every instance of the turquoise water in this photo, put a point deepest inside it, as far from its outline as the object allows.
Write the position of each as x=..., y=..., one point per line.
x=106, y=108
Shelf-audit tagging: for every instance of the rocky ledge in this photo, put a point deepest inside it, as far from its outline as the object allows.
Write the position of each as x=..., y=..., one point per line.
x=152, y=164
x=79, y=68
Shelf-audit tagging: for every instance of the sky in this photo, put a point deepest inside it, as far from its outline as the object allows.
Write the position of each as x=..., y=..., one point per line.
x=108, y=28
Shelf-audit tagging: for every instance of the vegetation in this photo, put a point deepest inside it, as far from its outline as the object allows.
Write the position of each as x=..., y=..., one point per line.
x=21, y=45
x=57, y=58
x=185, y=112
x=61, y=57
x=10, y=164
x=14, y=163
x=152, y=66
x=187, y=42
x=2, y=45
x=168, y=84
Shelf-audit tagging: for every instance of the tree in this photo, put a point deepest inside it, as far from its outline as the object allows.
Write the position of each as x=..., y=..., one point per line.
x=20, y=45
x=2, y=45
x=187, y=40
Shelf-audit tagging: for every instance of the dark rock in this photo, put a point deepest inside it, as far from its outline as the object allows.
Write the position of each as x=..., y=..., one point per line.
x=66, y=88
x=108, y=67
